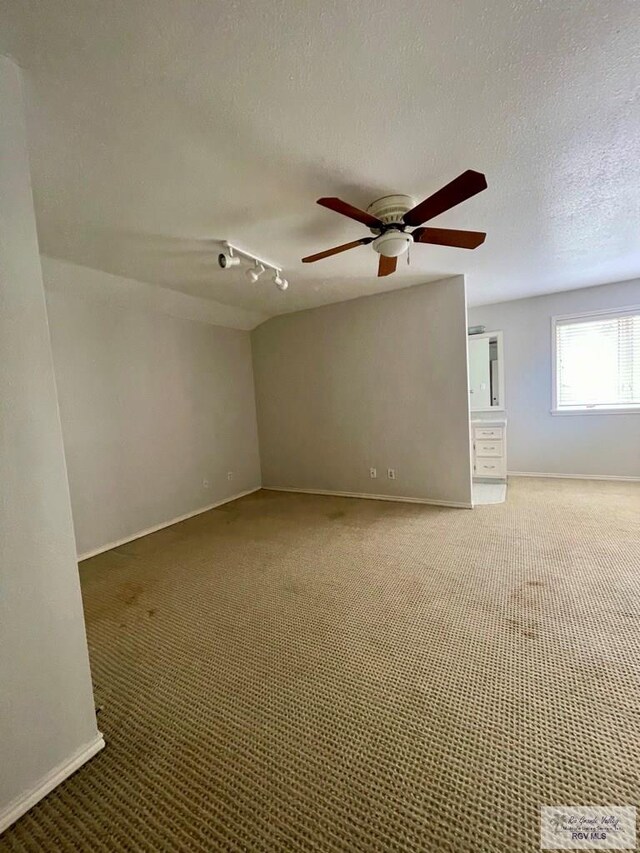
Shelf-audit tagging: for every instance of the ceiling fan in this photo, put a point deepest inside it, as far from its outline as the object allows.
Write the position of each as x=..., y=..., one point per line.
x=388, y=219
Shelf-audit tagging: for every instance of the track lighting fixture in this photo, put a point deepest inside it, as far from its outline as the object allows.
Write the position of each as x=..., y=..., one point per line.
x=232, y=256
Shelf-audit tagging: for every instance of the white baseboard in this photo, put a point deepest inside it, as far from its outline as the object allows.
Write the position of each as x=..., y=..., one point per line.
x=394, y=498
x=164, y=524
x=23, y=803
x=574, y=476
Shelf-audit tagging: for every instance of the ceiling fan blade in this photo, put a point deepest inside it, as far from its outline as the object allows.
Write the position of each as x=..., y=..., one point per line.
x=460, y=189
x=352, y=212
x=336, y=250
x=449, y=237
x=386, y=265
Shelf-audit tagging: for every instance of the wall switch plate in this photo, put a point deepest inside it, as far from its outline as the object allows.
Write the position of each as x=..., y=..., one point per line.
x=205, y=484
x=391, y=473
x=229, y=475
x=373, y=473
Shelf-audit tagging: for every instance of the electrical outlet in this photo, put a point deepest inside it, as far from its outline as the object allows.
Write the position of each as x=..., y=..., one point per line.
x=205, y=484
x=229, y=475
x=391, y=473
x=373, y=473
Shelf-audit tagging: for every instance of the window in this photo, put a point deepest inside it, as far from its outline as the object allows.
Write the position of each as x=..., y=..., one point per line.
x=597, y=362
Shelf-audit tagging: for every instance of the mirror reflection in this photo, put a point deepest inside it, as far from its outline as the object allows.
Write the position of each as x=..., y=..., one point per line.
x=486, y=365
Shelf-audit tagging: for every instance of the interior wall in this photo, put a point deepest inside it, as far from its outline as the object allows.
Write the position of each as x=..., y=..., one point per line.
x=379, y=382
x=47, y=719
x=537, y=441
x=156, y=410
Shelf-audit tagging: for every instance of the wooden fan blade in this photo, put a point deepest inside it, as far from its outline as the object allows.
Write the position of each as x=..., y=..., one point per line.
x=336, y=250
x=386, y=265
x=352, y=212
x=449, y=237
x=460, y=189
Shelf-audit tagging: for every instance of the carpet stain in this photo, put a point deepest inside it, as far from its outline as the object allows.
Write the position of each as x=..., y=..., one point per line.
x=131, y=592
x=524, y=629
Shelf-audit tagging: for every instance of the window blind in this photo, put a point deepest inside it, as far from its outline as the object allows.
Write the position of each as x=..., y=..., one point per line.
x=598, y=361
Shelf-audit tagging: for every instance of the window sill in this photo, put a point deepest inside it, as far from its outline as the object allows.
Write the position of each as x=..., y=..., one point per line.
x=629, y=410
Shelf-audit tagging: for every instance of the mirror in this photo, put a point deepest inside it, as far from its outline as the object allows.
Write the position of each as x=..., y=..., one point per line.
x=486, y=372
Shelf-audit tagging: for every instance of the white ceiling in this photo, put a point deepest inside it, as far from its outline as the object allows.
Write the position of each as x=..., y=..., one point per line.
x=159, y=126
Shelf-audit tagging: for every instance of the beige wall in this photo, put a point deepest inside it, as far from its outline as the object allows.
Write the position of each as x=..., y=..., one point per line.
x=152, y=405
x=47, y=719
x=539, y=442
x=374, y=382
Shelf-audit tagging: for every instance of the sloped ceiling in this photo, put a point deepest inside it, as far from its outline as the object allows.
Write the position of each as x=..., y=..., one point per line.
x=159, y=127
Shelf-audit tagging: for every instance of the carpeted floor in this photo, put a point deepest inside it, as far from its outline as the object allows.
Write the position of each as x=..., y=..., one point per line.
x=298, y=673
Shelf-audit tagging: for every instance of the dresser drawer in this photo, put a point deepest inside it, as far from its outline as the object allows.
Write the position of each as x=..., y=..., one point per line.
x=487, y=432
x=487, y=447
x=489, y=468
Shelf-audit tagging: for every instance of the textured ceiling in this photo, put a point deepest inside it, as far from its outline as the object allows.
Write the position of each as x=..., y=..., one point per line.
x=158, y=126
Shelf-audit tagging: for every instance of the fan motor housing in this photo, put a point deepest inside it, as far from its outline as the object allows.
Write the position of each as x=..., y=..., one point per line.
x=390, y=209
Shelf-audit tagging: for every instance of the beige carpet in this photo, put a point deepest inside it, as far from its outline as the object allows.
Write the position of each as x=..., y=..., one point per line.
x=292, y=672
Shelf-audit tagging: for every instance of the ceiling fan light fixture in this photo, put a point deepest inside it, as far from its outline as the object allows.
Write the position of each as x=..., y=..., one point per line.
x=388, y=217
x=392, y=243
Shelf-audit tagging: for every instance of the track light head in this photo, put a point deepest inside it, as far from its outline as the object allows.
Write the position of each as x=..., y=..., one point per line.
x=254, y=273
x=280, y=282
x=226, y=260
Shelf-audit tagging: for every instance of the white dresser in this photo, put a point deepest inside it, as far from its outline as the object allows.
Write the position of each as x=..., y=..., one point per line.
x=489, y=446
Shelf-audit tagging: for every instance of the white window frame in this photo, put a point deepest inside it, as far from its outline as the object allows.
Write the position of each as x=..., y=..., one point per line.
x=585, y=410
